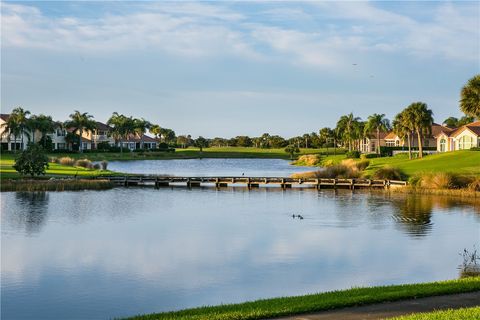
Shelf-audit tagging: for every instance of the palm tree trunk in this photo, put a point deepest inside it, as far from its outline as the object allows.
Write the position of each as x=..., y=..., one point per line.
x=409, y=147
x=22, y=147
x=80, y=140
x=378, y=141
x=420, y=147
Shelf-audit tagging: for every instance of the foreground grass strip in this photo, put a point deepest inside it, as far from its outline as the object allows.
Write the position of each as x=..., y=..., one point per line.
x=464, y=314
x=55, y=185
x=276, y=307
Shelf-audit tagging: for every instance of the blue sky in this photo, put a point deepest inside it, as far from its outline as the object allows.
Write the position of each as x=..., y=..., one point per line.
x=233, y=68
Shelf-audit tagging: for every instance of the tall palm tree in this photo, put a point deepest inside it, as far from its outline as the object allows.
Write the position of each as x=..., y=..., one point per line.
x=377, y=123
x=22, y=121
x=155, y=130
x=402, y=128
x=117, y=122
x=421, y=118
x=140, y=127
x=346, y=125
x=42, y=123
x=470, y=97
x=80, y=122
x=11, y=128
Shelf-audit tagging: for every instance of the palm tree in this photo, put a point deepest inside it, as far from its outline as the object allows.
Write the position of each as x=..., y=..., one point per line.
x=451, y=122
x=402, y=128
x=306, y=138
x=155, y=130
x=80, y=122
x=44, y=124
x=140, y=127
x=346, y=125
x=376, y=123
x=20, y=116
x=421, y=118
x=11, y=127
x=470, y=97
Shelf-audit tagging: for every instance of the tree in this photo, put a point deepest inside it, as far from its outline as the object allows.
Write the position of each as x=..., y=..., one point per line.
x=243, y=141
x=42, y=123
x=122, y=128
x=80, y=122
x=11, y=127
x=346, y=125
x=470, y=97
x=183, y=141
x=155, y=130
x=376, y=123
x=201, y=143
x=465, y=120
x=421, y=119
x=451, y=122
x=276, y=141
x=140, y=127
x=292, y=150
x=33, y=161
x=306, y=138
x=21, y=119
x=403, y=129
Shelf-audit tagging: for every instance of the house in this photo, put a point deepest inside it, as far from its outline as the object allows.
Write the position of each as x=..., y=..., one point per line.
x=10, y=142
x=369, y=144
x=134, y=142
x=465, y=137
x=58, y=138
x=101, y=134
x=428, y=141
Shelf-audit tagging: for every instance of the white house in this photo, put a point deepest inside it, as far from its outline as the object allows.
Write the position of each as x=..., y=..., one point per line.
x=465, y=137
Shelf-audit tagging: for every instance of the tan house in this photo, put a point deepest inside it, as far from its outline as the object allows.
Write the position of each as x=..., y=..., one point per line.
x=465, y=137
x=369, y=144
x=429, y=141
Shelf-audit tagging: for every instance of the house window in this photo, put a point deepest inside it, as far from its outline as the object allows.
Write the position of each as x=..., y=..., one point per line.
x=397, y=143
x=443, y=144
x=60, y=133
x=84, y=145
x=465, y=142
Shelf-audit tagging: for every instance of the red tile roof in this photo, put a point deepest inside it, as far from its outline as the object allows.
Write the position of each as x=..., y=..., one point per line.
x=4, y=116
x=474, y=127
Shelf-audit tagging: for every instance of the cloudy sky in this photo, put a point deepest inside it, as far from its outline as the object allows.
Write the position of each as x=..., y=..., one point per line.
x=231, y=68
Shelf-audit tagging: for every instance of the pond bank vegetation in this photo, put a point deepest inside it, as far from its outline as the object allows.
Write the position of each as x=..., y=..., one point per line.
x=40, y=185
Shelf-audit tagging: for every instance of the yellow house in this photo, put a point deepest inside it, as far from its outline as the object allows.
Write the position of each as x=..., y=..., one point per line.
x=465, y=137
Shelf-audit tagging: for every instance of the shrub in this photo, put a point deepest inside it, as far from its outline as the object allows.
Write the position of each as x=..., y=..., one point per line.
x=353, y=154
x=104, y=164
x=53, y=160
x=308, y=160
x=362, y=165
x=32, y=161
x=474, y=185
x=442, y=180
x=85, y=163
x=327, y=163
x=96, y=166
x=66, y=161
x=389, y=173
x=475, y=149
x=371, y=155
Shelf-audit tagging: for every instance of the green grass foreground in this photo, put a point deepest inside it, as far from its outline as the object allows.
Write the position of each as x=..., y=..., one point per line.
x=285, y=306
x=463, y=314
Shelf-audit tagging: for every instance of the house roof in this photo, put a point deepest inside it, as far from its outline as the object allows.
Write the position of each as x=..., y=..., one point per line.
x=438, y=129
x=391, y=136
x=137, y=138
x=102, y=126
x=4, y=116
x=473, y=127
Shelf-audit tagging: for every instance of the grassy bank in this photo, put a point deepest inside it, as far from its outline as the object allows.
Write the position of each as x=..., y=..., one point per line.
x=55, y=185
x=463, y=313
x=285, y=306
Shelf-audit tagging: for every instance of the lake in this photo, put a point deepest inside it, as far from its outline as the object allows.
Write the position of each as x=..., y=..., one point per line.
x=121, y=252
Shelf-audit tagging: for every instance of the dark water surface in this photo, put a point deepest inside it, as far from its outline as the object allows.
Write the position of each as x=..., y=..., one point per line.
x=104, y=254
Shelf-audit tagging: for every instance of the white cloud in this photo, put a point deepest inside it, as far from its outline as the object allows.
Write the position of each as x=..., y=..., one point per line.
x=206, y=30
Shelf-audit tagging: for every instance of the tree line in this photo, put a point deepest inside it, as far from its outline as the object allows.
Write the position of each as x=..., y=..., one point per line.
x=414, y=121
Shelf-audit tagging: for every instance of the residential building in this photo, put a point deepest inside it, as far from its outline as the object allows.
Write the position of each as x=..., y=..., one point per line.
x=465, y=137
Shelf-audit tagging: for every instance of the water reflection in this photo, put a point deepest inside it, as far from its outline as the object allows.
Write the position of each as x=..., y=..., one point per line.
x=34, y=214
x=127, y=251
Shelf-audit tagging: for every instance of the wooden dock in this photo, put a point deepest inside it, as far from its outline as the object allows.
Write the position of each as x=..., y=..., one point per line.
x=250, y=182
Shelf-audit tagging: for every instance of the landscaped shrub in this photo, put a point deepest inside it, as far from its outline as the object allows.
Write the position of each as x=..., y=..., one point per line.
x=474, y=185
x=308, y=160
x=104, y=164
x=53, y=160
x=353, y=154
x=372, y=155
x=96, y=166
x=475, y=149
x=85, y=163
x=66, y=161
x=328, y=163
x=389, y=173
x=362, y=165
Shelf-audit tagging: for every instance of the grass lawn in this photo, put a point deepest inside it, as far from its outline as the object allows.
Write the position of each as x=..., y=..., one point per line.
x=8, y=172
x=463, y=313
x=277, y=307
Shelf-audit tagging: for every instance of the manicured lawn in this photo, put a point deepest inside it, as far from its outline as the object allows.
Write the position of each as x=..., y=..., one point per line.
x=276, y=307
x=462, y=162
x=463, y=314
x=8, y=172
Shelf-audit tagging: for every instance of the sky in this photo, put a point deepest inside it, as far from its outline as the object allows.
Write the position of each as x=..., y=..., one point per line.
x=237, y=68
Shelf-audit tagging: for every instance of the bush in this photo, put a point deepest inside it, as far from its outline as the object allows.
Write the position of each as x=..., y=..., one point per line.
x=389, y=173
x=308, y=160
x=442, y=180
x=104, y=164
x=66, y=161
x=85, y=163
x=362, y=165
x=475, y=149
x=32, y=161
x=474, y=185
x=371, y=156
x=96, y=166
x=353, y=154
x=53, y=160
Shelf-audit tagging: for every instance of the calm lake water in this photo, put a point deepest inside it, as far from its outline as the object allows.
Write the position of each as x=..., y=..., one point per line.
x=121, y=252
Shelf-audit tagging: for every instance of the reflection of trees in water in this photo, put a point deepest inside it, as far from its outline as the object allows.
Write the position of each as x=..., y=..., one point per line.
x=413, y=214
x=30, y=212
